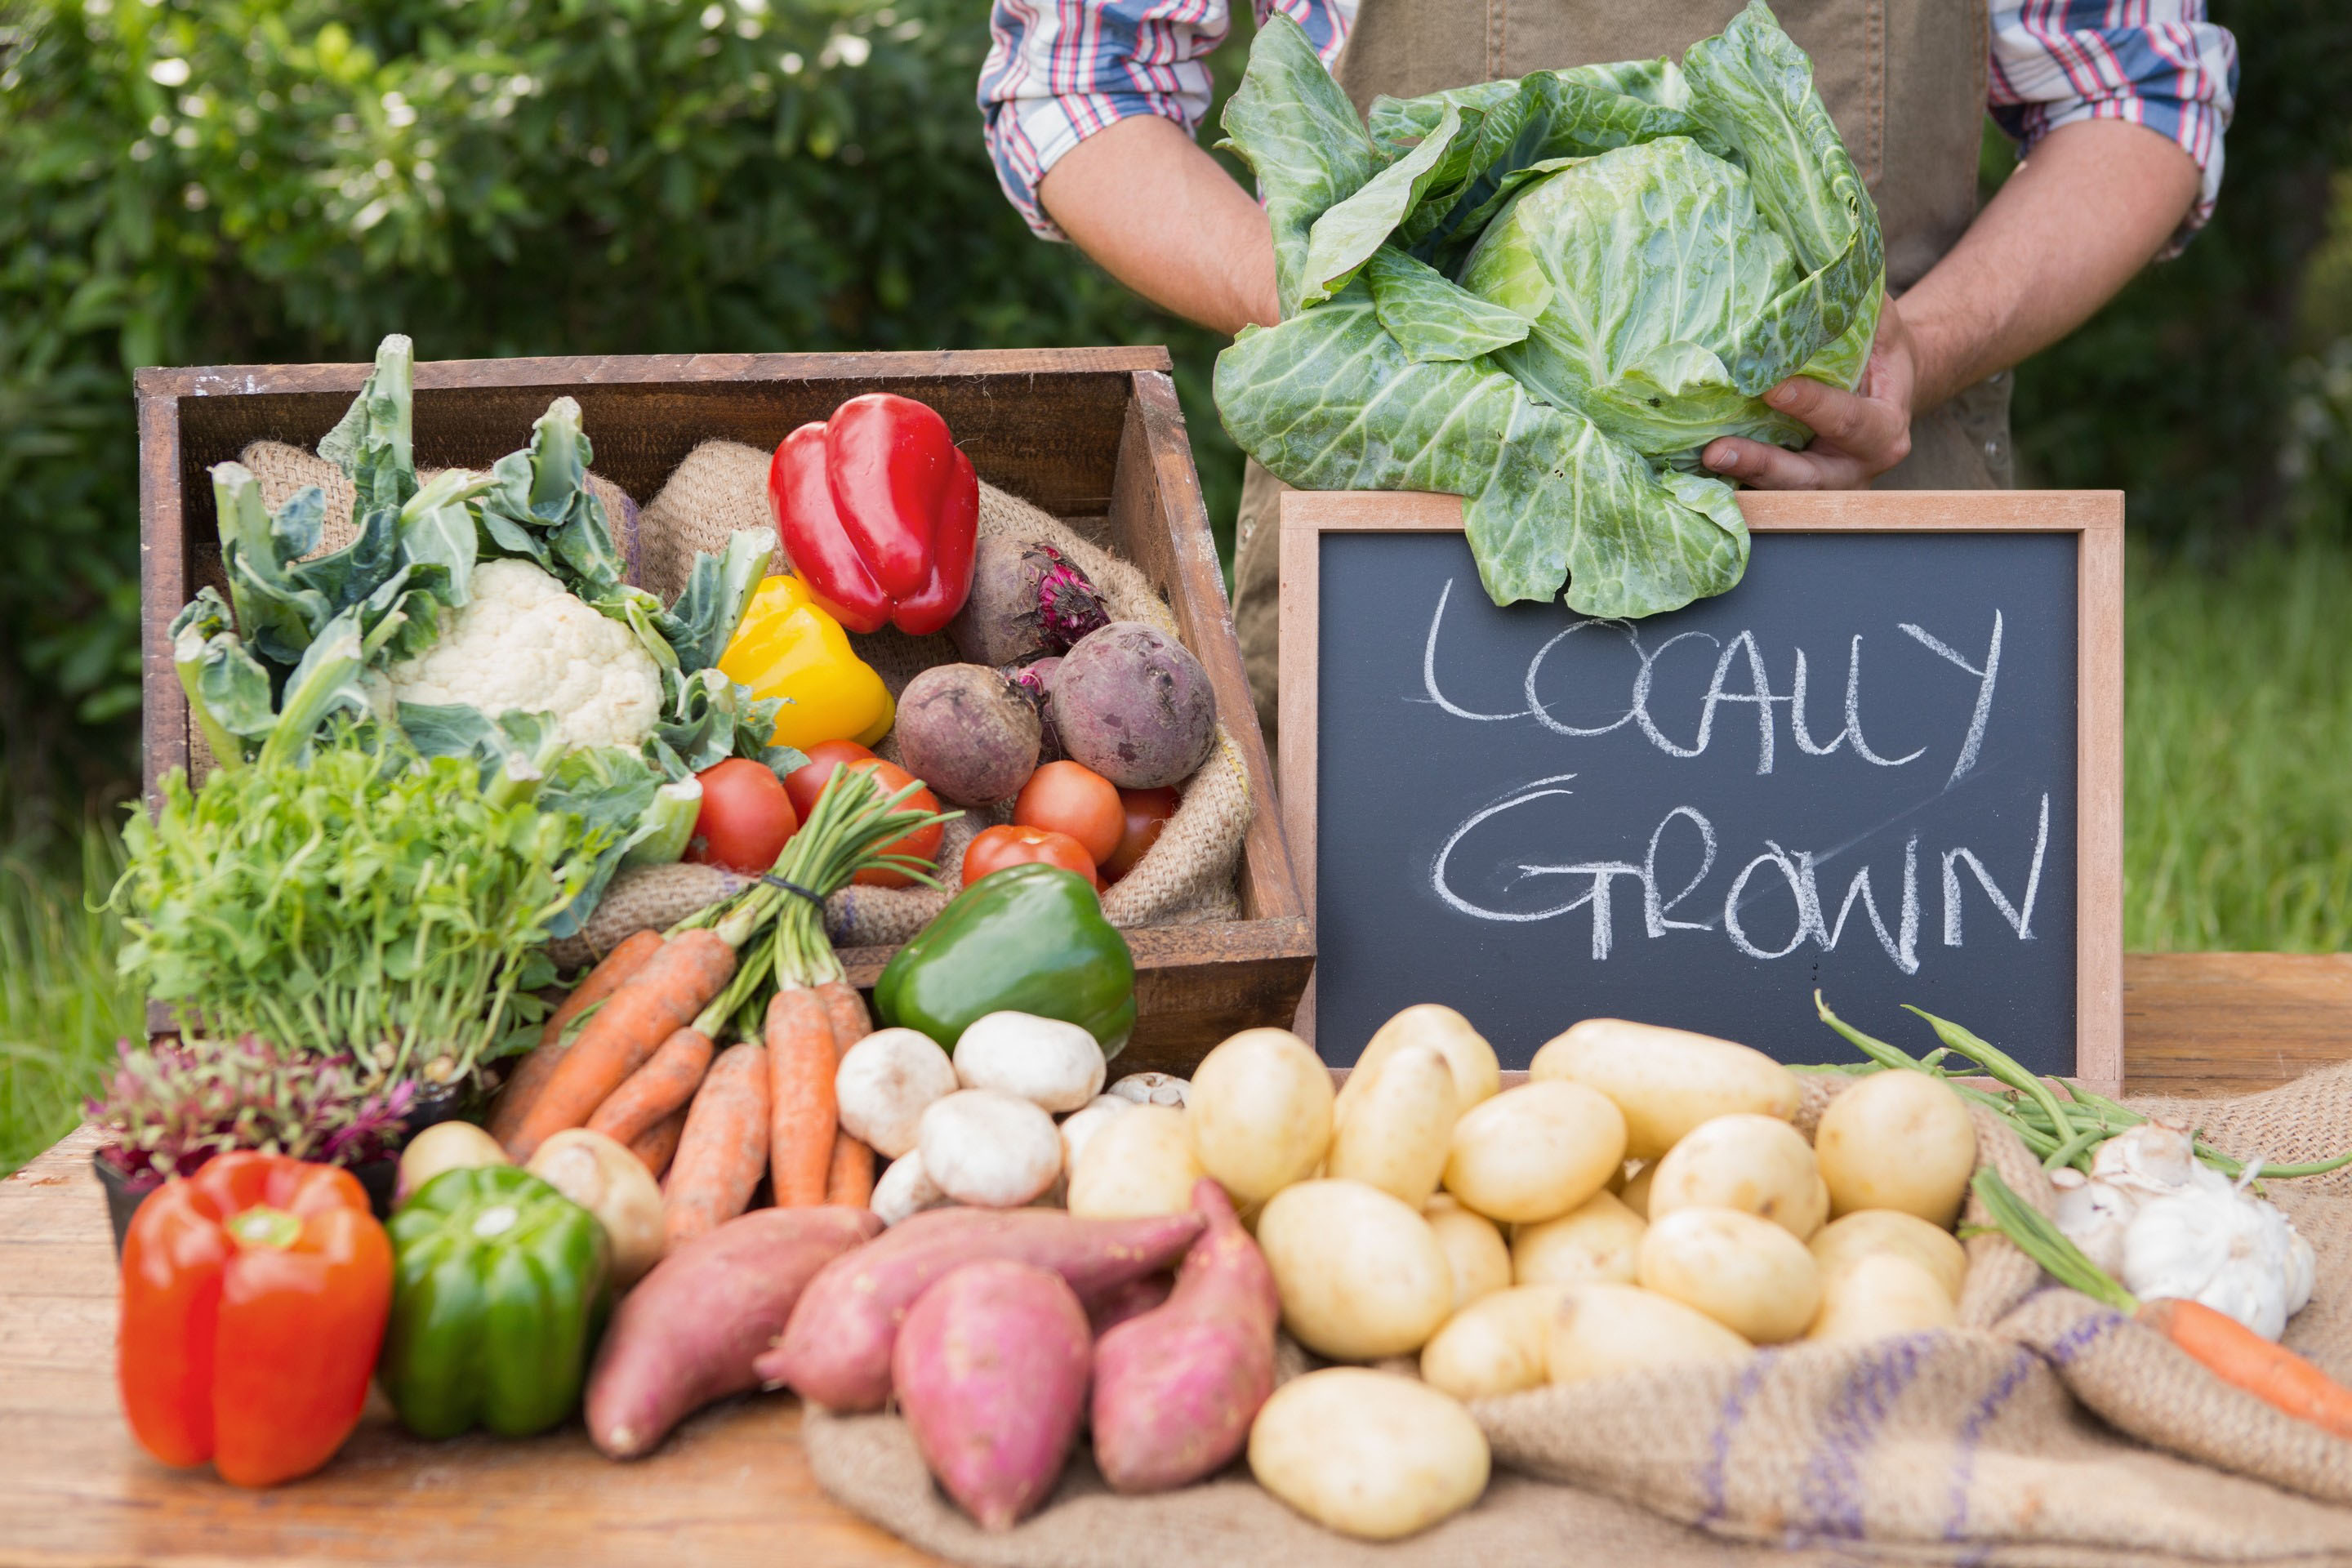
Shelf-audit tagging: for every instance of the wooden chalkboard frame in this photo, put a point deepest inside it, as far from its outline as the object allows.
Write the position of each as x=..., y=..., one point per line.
x=2094, y=516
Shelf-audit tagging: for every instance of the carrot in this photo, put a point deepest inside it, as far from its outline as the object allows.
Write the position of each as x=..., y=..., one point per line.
x=801, y=1114
x=664, y=1084
x=2244, y=1359
x=2220, y=1344
x=675, y=984
x=531, y=1074
x=722, y=1150
x=846, y=1008
x=849, y=1182
x=657, y=1144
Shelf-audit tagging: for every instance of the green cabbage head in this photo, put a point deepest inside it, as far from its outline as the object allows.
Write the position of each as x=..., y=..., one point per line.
x=1548, y=295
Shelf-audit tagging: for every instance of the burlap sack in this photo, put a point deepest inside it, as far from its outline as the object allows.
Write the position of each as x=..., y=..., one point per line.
x=2046, y=1430
x=1188, y=876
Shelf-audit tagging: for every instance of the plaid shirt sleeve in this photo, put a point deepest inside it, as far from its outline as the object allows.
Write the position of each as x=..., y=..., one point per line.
x=2158, y=63
x=1059, y=71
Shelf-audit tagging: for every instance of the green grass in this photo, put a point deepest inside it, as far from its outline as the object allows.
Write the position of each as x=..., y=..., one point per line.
x=2238, y=818
x=61, y=1007
x=2238, y=753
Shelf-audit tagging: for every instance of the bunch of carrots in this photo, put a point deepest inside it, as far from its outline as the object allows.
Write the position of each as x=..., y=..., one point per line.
x=634, y=1052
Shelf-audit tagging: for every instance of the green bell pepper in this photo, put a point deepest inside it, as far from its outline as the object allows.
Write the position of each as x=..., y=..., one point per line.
x=497, y=1296
x=1028, y=939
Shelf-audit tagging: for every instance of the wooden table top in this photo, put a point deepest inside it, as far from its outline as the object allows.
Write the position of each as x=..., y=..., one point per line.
x=732, y=1484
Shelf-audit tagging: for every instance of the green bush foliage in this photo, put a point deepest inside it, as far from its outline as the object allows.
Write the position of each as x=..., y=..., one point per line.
x=240, y=180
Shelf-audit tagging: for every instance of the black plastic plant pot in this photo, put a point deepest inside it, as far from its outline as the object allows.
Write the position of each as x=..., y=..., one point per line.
x=123, y=1199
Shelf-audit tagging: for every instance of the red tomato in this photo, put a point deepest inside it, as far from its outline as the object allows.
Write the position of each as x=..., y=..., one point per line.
x=997, y=848
x=923, y=844
x=1072, y=798
x=1143, y=812
x=746, y=817
x=806, y=784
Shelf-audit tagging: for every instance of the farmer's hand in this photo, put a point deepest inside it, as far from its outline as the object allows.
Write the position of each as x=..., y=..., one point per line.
x=1857, y=435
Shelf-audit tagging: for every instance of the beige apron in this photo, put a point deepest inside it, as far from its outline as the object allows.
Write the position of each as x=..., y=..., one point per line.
x=1905, y=80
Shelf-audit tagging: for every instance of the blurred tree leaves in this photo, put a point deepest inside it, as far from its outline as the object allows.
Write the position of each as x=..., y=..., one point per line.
x=239, y=181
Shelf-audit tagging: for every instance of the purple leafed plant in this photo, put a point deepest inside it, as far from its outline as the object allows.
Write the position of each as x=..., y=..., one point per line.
x=169, y=1109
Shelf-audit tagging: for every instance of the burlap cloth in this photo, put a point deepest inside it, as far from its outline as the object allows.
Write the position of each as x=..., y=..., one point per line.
x=2046, y=1430
x=1187, y=876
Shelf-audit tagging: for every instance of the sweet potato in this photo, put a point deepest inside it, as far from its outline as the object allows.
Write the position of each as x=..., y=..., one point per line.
x=1176, y=1389
x=990, y=1370
x=1131, y=1300
x=689, y=1332
x=836, y=1350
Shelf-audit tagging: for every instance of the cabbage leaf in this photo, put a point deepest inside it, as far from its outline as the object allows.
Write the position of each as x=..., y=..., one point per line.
x=1546, y=295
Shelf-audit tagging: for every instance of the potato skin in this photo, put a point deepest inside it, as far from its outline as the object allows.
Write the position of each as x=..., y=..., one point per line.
x=1477, y=1075
x=1879, y=1294
x=1535, y=1151
x=1368, y=1454
x=1897, y=1141
x=1259, y=1113
x=1138, y=1163
x=1474, y=1248
x=1496, y=1345
x=1397, y=1133
x=1360, y=1274
x=1746, y=1273
x=1599, y=1242
x=1666, y=1081
x=1863, y=1232
x=1756, y=1163
x=1600, y=1330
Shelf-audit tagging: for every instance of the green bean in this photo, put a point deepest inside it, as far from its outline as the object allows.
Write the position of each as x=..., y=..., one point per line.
x=1999, y=1063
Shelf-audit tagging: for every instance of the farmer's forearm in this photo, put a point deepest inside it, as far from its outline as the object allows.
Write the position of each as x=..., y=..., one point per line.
x=2093, y=204
x=1164, y=218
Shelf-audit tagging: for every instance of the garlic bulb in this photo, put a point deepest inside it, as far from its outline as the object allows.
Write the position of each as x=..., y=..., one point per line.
x=2166, y=1225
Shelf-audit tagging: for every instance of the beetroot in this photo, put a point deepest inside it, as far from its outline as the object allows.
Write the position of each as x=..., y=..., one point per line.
x=1133, y=704
x=1026, y=599
x=1034, y=680
x=1176, y=1388
x=967, y=733
x=990, y=1370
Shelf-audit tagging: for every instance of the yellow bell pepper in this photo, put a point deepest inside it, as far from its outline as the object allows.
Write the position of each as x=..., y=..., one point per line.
x=789, y=648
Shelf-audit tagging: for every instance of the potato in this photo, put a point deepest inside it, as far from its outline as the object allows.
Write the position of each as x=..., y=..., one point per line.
x=1756, y=1163
x=1841, y=1242
x=445, y=1146
x=612, y=1183
x=1137, y=1163
x=1897, y=1141
x=1496, y=1345
x=1598, y=1241
x=1666, y=1081
x=1474, y=1248
x=1636, y=1192
x=1599, y=1330
x=1477, y=1074
x=1052, y=1065
x=1259, y=1112
x=1366, y=1453
x=885, y=1083
x=1878, y=1294
x=1535, y=1151
x=1360, y=1274
x=1746, y=1273
x=1398, y=1132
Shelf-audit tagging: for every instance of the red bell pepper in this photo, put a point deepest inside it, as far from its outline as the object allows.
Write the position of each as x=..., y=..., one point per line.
x=879, y=512
x=254, y=1298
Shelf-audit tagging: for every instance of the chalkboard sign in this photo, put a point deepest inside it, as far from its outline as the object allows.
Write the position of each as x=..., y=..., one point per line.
x=1887, y=764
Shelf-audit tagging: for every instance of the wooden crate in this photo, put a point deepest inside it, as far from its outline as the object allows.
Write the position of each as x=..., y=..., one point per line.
x=1093, y=436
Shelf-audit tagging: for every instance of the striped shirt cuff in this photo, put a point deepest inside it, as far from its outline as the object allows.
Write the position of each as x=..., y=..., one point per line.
x=1027, y=136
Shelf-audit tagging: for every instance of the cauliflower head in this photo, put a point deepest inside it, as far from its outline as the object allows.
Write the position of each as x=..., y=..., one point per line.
x=522, y=642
